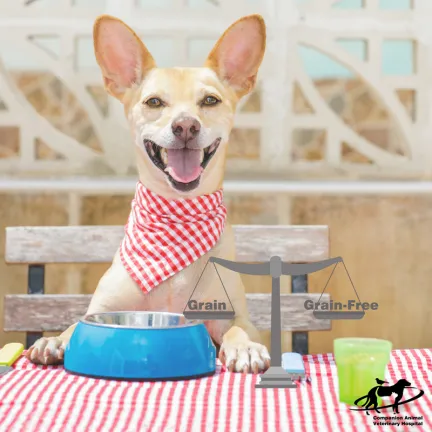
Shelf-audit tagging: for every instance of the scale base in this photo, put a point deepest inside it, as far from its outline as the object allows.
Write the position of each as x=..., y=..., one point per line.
x=276, y=377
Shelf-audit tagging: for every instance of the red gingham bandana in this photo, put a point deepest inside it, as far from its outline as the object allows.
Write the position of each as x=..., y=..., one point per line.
x=163, y=236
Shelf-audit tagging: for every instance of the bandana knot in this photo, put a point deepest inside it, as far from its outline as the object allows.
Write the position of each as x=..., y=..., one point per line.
x=164, y=236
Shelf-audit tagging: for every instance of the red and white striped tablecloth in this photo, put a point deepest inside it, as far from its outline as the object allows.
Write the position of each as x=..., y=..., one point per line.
x=35, y=398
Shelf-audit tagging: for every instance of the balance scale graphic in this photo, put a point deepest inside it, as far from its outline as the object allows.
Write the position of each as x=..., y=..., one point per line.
x=275, y=376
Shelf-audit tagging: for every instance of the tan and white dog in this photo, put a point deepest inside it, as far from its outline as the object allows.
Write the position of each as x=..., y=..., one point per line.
x=191, y=111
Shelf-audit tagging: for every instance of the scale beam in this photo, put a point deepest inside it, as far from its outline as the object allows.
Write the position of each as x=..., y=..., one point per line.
x=265, y=268
x=302, y=269
x=244, y=268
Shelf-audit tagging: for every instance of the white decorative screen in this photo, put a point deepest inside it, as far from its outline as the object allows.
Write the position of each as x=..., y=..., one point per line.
x=344, y=89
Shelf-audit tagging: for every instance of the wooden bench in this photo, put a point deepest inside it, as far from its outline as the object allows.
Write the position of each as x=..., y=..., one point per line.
x=37, y=312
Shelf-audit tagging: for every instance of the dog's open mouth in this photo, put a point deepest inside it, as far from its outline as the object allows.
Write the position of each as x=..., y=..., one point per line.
x=183, y=167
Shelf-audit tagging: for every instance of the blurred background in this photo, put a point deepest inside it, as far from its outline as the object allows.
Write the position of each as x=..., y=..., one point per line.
x=338, y=132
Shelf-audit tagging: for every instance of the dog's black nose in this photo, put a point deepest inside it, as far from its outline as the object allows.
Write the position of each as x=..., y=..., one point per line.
x=186, y=128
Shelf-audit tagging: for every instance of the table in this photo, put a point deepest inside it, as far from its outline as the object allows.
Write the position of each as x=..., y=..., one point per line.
x=41, y=398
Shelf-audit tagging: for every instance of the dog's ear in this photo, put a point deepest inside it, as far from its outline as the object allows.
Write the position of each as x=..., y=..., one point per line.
x=123, y=58
x=238, y=53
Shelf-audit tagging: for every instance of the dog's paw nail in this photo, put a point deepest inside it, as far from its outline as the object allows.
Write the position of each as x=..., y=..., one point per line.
x=46, y=351
x=246, y=357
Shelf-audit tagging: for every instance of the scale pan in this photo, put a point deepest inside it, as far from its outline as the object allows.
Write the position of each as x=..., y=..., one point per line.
x=338, y=315
x=203, y=315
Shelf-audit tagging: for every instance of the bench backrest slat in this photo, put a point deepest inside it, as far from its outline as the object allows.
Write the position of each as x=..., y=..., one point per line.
x=98, y=244
x=56, y=312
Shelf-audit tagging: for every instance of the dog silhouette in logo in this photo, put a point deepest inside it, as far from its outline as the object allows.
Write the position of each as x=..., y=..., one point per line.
x=383, y=391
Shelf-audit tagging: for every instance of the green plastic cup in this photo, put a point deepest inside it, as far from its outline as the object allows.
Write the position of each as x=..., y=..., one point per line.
x=359, y=362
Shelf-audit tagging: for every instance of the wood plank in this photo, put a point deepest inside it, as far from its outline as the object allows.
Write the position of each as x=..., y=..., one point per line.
x=98, y=244
x=291, y=243
x=44, y=312
x=57, y=312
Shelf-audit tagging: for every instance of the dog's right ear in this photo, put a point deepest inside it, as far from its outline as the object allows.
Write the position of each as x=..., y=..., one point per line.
x=123, y=58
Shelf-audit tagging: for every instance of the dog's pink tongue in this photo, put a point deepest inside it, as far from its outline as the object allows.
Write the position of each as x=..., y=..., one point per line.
x=184, y=165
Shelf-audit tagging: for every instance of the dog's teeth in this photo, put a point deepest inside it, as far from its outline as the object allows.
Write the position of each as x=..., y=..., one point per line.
x=202, y=155
x=164, y=156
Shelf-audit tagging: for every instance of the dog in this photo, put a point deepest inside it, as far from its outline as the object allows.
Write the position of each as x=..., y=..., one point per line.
x=188, y=110
x=384, y=391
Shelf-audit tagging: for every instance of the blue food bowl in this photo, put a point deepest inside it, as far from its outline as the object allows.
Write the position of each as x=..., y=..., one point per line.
x=145, y=346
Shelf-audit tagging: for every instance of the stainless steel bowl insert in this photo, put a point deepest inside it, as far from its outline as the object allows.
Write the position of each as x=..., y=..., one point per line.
x=139, y=320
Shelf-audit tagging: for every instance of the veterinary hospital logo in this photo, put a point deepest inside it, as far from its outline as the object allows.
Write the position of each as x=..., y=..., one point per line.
x=370, y=402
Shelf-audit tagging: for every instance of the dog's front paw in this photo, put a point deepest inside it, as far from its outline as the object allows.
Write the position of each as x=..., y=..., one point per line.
x=245, y=357
x=47, y=351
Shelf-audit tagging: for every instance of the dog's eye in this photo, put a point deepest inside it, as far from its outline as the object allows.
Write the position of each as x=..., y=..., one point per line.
x=154, y=102
x=210, y=100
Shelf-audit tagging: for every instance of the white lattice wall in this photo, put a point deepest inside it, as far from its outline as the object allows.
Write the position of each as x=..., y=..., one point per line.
x=54, y=37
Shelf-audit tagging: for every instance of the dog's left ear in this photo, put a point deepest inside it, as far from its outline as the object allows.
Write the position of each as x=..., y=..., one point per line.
x=238, y=53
